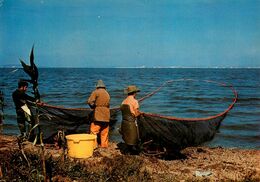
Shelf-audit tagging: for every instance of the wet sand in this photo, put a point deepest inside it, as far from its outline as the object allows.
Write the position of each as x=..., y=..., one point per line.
x=194, y=164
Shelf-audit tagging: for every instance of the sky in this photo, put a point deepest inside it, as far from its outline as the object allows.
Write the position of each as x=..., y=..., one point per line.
x=131, y=33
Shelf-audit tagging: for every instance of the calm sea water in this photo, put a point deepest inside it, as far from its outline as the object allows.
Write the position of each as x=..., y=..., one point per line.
x=71, y=87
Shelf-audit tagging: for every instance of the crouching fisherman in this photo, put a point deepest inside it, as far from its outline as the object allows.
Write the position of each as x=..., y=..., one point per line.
x=21, y=101
x=130, y=112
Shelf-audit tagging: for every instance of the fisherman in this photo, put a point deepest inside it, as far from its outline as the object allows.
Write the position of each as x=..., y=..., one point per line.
x=99, y=101
x=21, y=101
x=130, y=112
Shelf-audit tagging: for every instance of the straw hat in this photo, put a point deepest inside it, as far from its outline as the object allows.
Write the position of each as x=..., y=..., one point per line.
x=131, y=89
x=100, y=84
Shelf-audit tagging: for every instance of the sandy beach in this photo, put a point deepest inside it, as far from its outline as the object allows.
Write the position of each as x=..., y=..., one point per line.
x=195, y=164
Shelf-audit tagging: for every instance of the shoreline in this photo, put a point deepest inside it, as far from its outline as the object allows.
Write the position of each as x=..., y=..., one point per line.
x=195, y=164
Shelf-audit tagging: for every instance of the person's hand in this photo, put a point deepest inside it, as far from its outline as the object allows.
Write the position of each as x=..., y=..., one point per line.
x=39, y=103
x=140, y=113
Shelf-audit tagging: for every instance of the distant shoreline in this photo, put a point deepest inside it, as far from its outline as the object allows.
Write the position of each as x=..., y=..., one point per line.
x=19, y=67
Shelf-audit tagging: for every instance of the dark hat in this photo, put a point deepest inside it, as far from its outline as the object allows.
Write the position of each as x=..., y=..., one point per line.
x=22, y=83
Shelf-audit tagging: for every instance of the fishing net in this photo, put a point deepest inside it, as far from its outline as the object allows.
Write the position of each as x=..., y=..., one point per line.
x=175, y=133
x=55, y=119
x=154, y=129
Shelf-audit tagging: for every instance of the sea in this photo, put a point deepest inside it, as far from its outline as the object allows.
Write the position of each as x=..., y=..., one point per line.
x=192, y=93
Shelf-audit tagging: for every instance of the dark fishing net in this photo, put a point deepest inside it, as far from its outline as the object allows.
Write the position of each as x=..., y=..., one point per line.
x=177, y=134
x=163, y=131
x=70, y=121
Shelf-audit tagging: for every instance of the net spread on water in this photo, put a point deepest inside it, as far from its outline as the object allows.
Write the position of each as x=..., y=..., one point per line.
x=178, y=133
x=163, y=131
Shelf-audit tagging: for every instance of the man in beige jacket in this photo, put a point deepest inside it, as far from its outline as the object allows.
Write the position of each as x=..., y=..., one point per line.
x=99, y=101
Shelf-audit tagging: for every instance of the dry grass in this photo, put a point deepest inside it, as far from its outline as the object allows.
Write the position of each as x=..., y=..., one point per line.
x=110, y=165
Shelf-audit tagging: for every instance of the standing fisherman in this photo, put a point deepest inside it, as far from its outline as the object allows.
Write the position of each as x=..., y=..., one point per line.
x=130, y=112
x=99, y=101
x=21, y=100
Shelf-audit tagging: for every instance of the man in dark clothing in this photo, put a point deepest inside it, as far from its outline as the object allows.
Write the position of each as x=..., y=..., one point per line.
x=21, y=100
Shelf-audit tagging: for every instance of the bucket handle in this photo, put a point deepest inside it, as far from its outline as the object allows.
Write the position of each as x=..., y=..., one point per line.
x=78, y=140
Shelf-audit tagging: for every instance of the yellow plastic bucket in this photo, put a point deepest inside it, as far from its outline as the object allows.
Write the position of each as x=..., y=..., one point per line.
x=80, y=145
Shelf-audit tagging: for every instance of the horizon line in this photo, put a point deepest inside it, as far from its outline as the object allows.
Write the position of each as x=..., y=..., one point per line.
x=141, y=67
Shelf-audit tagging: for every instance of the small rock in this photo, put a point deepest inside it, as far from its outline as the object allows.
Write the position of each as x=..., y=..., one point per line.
x=203, y=173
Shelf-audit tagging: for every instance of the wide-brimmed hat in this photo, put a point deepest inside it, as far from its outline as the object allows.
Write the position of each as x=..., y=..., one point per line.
x=100, y=84
x=131, y=89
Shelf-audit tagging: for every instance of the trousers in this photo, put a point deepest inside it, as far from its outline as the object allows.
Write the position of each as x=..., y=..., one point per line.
x=100, y=128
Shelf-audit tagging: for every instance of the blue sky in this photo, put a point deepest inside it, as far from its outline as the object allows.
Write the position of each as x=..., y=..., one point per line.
x=121, y=33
